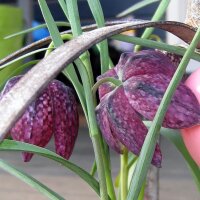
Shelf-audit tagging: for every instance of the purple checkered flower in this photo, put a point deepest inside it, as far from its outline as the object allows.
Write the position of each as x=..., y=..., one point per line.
x=145, y=77
x=53, y=112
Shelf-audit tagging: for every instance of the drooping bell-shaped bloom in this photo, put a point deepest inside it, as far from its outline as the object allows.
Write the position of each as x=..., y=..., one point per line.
x=54, y=111
x=145, y=77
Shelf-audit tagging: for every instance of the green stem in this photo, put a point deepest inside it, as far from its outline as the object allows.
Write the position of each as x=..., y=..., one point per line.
x=85, y=58
x=97, y=48
x=53, y=29
x=97, y=12
x=100, y=167
x=155, y=45
x=141, y=4
x=114, y=81
x=58, y=23
x=132, y=161
x=142, y=192
x=74, y=19
x=63, y=6
x=86, y=74
x=94, y=131
x=124, y=175
x=94, y=168
x=155, y=37
x=106, y=160
x=148, y=148
x=51, y=45
x=157, y=16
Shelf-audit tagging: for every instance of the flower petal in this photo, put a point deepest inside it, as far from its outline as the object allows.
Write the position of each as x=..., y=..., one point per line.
x=175, y=58
x=106, y=87
x=35, y=125
x=144, y=62
x=9, y=84
x=145, y=92
x=66, y=120
x=23, y=128
x=120, y=66
x=127, y=125
x=102, y=119
x=42, y=122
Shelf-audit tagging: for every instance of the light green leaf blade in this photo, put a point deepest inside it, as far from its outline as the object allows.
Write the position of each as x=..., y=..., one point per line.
x=24, y=56
x=63, y=24
x=30, y=181
x=55, y=34
x=11, y=145
x=74, y=18
x=160, y=11
x=97, y=12
x=64, y=7
x=156, y=45
x=137, y=6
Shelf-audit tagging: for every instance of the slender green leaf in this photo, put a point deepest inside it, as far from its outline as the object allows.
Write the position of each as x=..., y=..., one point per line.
x=93, y=169
x=160, y=11
x=156, y=17
x=11, y=145
x=132, y=161
x=63, y=24
x=142, y=192
x=7, y=74
x=115, y=82
x=94, y=131
x=64, y=7
x=97, y=12
x=54, y=32
x=85, y=69
x=30, y=180
x=155, y=45
x=24, y=56
x=148, y=148
x=74, y=18
x=137, y=6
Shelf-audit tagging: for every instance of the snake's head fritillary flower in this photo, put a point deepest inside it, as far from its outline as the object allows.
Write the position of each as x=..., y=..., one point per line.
x=145, y=77
x=54, y=111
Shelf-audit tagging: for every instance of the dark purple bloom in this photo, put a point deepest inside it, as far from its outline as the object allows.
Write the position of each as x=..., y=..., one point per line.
x=175, y=58
x=54, y=111
x=145, y=77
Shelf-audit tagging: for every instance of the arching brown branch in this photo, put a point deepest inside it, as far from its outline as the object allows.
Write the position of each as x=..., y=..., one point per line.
x=14, y=103
x=168, y=26
x=47, y=40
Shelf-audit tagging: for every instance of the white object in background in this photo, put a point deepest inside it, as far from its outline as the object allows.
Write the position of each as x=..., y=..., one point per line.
x=177, y=12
